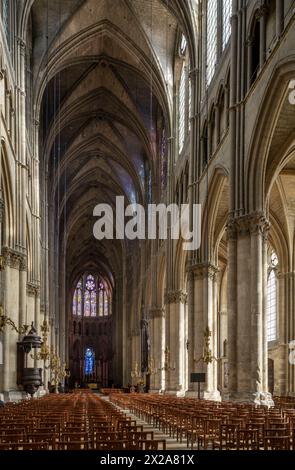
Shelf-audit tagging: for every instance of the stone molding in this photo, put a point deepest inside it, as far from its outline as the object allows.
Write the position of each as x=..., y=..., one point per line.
x=282, y=275
x=14, y=259
x=135, y=331
x=33, y=290
x=157, y=312
x=203, y=270
x=2, y=206
x=261, y=11
x=175, y=297
x=245, y=225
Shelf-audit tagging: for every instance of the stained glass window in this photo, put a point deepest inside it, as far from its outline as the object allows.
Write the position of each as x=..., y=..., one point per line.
x=89, y=362
x=87, y=303
x=164, y=160
x=90, y=300
x=181, y=108
x=77, y=300
x=183, y=44
x=226, y=27
x=100, y=301
x=106, y=304
x=6, y=19
x=93, y=303
x=90, y=284
x=211, y=38
x=272, y=299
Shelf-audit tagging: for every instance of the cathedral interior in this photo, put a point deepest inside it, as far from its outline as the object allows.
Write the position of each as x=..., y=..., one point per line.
x=149, y=102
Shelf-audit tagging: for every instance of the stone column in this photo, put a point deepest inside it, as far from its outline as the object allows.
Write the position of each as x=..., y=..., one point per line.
x=262, y=45
x=284, y=368
x=250, y=70
x=12, y=264
x=6, y=355
x=279, y=17
x=210, y=146
x=157, y=347
x=190, y=332
x=246, y=309
x=206, y=317
x=175, y=341
x=217, y=126
x=226, y=108
x=281, y=363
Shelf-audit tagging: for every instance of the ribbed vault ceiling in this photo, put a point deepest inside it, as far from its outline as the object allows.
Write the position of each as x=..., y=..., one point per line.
x=103, y=86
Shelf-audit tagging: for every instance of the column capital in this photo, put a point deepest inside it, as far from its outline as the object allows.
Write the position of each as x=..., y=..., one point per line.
x=203, y=270
x=14, y=259
x=283, y=275
x=261, y=11
x=175, y=297
x=33, y=290
x=255, y=223
x=250, y=41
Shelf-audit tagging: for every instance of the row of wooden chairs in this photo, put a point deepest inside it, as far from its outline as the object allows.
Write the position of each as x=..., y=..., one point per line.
x=215, y=425
x=79, y=421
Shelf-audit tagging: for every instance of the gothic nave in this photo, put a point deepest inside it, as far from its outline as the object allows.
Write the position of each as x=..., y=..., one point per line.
x=109, y=110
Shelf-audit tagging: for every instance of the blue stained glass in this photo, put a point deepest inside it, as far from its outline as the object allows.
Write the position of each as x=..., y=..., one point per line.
x=89, y=362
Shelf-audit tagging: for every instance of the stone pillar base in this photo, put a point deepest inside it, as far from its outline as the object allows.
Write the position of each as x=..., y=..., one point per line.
x=214, y=396
x=155, y=391
x=15, y=396
x=258, y=398
x=178, y=393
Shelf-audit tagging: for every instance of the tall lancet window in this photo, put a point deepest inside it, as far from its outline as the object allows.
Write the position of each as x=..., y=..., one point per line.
x=181, y=108
x=226, y=26
x=6, y=4
x=89, y=361
x=77, y=300
x=183, y=93
x=90, y=297
x=211, y=39
x=272, y=298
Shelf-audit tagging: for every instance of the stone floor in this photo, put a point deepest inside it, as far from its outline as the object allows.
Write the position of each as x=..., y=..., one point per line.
x=171, y=443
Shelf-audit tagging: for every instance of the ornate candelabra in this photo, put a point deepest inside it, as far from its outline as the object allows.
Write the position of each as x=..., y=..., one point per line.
x=207, y=356
x=44, y=354
x=59, y=370
x=167, y=366
x=6, y=321
x=135, y=373
x=152, y=370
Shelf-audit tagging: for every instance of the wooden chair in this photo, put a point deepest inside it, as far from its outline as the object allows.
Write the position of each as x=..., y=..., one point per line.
x=72, y=445
x=152, y=445
x=248, y=439
x=228, y=437
x=112, y=445
x=277, y=443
